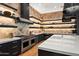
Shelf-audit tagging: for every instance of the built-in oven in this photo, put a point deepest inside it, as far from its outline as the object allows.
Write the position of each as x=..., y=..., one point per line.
x=33, y=41
x=27, y=43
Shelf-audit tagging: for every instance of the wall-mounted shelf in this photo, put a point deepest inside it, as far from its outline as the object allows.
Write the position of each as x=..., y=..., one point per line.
x=58, y=23
x=8, y=6
x=9, y=26
x=7, y=16
x=35, y=18
x=18, y=19
x=52, y=27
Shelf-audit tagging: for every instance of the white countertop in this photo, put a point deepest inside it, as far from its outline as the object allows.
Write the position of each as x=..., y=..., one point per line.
x=65, y=44
x=9, y=39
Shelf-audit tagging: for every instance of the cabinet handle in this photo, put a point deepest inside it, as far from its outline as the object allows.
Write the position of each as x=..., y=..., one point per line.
x=14, y=53
x=0, y=45
x=14, y=46
x=14, y=42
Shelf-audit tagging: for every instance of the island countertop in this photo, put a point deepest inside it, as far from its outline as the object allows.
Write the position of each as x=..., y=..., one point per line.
x=9, y=39
x=64, y=44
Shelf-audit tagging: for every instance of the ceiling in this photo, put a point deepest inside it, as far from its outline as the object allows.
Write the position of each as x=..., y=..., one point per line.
x=47, y=7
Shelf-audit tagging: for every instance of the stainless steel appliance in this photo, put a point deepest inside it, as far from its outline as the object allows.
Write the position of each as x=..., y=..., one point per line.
x=27, y=42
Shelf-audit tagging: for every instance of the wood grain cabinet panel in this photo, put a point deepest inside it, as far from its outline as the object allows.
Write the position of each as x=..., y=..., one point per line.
x=13, y=5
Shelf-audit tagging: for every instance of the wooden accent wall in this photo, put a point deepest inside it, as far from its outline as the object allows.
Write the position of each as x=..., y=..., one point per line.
x=52, y=23
x=34, y=13
x=5, y=31
x=52, y=15
x=35, y=16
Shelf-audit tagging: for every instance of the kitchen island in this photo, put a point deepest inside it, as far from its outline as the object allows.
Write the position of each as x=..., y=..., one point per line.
x=60, y=45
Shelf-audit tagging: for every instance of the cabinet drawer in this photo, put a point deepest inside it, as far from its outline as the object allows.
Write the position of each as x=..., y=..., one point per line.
x=15, y=53
x=10, y=52
x=17, y=42
x=10, y=44
x=4, y=53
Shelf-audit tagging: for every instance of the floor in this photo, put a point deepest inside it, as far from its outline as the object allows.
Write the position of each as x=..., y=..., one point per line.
x=33, y=51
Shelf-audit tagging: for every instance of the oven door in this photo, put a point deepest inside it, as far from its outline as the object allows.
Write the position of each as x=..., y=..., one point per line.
x=33, y=41
x=25, y=45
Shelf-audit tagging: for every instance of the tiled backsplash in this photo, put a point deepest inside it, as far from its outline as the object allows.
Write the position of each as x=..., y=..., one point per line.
x=22, y=29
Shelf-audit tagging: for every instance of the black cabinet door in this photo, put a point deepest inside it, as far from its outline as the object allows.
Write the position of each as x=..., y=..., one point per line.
x=10, y=48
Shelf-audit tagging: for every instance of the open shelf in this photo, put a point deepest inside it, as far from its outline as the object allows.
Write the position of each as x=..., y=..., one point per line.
x=8, y=6
x=18, y=19
x=9, y=26
x=8, y=16
x=57, y=23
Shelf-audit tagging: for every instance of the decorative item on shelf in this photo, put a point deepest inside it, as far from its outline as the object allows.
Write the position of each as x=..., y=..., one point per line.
x=11, y=35
x=7, y=13
x=17, y=20
x=13, y=14
x=0, y=12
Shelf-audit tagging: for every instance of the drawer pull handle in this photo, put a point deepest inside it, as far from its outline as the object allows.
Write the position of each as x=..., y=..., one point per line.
x=15, y=53
x=14, y=42
x=0, y=45
x=14, y=47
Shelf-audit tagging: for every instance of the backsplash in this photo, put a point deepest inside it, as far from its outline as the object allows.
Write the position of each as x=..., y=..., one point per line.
x=22, y=29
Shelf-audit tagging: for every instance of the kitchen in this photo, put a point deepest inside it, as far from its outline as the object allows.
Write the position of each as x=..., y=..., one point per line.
x=29, y=29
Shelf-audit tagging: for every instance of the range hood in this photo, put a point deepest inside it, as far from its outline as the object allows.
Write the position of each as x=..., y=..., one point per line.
x=25, y=20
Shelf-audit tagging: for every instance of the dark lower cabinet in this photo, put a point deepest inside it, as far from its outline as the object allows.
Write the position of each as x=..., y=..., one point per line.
x=46, y=36
x=42, y=37
x=10, y=48
x=47, y=53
